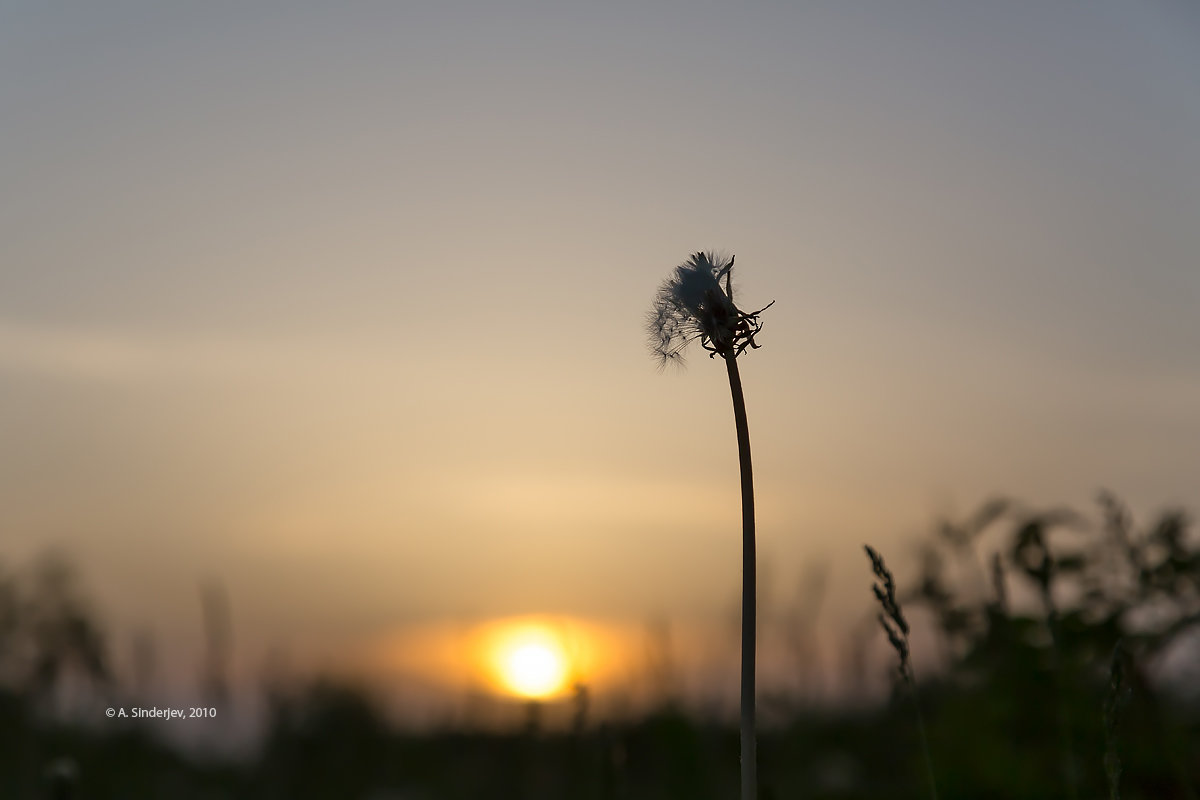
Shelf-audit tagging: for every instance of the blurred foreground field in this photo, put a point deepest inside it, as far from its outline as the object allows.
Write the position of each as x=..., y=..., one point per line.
x=1069, y=661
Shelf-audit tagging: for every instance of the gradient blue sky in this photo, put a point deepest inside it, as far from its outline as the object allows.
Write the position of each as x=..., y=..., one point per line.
x=343, y=303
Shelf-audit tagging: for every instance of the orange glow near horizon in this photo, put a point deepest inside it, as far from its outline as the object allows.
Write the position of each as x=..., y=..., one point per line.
x=536, y=657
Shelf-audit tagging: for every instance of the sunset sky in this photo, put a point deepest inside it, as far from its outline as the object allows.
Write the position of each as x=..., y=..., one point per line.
x=342, y=304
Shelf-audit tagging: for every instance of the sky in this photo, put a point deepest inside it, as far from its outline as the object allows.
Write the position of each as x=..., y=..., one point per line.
x=342, y=305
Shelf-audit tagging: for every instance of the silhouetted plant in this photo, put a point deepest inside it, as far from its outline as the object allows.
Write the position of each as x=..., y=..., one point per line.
x=47, y=630
x=1095, y=585
x=691, y=305
x=892, y=620
x=1031, y=552
x=62, y=776
x=218, y=644
x=1117, y=692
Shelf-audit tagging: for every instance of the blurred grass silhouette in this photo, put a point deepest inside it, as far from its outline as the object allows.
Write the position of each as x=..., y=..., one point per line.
x=1025, y=642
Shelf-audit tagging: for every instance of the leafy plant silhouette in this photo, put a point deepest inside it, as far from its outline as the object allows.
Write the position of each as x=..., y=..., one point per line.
x=1074, y=606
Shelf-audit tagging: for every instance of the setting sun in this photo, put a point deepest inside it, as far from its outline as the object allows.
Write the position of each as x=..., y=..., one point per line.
x=530, y=661
x=535, y=670
x=538, y=657
x=532, y=658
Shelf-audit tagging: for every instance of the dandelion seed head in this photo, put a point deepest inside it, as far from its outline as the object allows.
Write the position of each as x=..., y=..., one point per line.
x=697, y=283
x=692, y=304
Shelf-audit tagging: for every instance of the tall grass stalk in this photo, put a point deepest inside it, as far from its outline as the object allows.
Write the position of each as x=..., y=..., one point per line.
x=692, y=305
x=892, y=620
x=1117, y=690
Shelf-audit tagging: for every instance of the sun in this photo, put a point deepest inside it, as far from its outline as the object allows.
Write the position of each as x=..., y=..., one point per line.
x=530, y=661
x=535, y=670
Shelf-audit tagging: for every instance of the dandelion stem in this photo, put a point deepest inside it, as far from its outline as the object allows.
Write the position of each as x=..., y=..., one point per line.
x=749, y=584
x=691, y=306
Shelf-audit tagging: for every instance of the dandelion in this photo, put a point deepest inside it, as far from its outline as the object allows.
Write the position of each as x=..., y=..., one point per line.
x=691, y=305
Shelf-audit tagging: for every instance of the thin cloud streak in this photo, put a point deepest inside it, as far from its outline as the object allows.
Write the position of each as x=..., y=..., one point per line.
x=75, y=353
